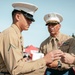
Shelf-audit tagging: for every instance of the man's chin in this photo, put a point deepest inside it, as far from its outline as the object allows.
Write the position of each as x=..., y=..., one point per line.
x=53, y=34
x=26, y=29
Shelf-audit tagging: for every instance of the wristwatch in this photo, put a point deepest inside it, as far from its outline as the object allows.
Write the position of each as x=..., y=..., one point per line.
x=59, y=64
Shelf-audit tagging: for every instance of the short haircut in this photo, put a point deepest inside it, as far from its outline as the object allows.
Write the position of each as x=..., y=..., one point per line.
x=14, y=13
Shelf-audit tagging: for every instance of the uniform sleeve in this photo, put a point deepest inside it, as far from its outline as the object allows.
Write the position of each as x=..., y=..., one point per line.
x=13, y=57
x=27, y=67
x=17, y=65
x=72, y=51
x=64, y=66
x=69, y=47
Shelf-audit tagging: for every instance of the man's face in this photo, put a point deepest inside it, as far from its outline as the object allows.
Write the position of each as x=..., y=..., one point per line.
x=25, y=22
x=53, y=28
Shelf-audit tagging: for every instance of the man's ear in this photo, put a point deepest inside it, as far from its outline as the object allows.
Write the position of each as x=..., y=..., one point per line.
x=17, y=16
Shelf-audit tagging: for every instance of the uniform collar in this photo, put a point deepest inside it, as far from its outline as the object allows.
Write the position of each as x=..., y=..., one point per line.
x=57, y=37
x=17, y=30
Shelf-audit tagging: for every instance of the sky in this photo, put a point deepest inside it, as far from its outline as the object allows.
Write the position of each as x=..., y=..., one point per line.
x=38, y=31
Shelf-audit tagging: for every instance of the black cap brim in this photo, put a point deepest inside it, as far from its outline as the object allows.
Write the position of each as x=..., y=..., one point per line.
x=53, y=23
x=29, y=17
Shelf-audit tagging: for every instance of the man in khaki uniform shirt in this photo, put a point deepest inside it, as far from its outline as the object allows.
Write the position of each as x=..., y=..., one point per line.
x=11, y=46
x=57, y=40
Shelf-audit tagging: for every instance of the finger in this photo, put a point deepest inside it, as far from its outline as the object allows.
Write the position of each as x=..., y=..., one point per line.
x=63, y=55
x=57, y=58
x=57, y=55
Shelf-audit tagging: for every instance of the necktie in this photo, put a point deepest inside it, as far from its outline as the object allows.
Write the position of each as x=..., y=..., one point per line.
x=55, y=47
x=54, y=43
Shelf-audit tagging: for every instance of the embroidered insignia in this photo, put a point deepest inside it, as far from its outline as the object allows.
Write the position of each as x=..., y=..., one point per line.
x=11, y=46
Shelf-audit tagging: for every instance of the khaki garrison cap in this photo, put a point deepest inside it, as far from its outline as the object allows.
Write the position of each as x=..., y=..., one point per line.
x=27, y=8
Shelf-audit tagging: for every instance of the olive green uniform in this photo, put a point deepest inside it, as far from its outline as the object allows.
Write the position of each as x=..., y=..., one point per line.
x=11, y=54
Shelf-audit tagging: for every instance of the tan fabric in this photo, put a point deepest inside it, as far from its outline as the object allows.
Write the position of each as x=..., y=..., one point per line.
x=11, y=54
x=46, y=46
x=69, y=47
x=4, y=74
x=54, y=44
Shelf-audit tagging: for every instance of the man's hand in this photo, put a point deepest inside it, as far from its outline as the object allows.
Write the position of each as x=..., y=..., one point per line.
x=53, y=55
x=54, y=64
x=67, y=58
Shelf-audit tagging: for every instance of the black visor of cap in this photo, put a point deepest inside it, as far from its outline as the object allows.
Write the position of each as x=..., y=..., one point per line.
x=27, y=15
x=52, y=23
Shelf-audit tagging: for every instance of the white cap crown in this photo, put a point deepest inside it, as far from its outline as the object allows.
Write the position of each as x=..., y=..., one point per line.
x=53, y=17
x=27, y=7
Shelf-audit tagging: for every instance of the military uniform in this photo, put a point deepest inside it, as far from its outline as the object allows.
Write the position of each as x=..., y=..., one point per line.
x=58, y=41
x=11, y=45
x=11, y=57
x=69, y=47
x=46, y=45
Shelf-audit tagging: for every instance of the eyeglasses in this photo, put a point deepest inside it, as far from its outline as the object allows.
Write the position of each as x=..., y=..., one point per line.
x=51, y=24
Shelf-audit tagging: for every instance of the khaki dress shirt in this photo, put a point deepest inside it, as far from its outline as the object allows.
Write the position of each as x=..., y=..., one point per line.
x=11, y=54
x=65, y=43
